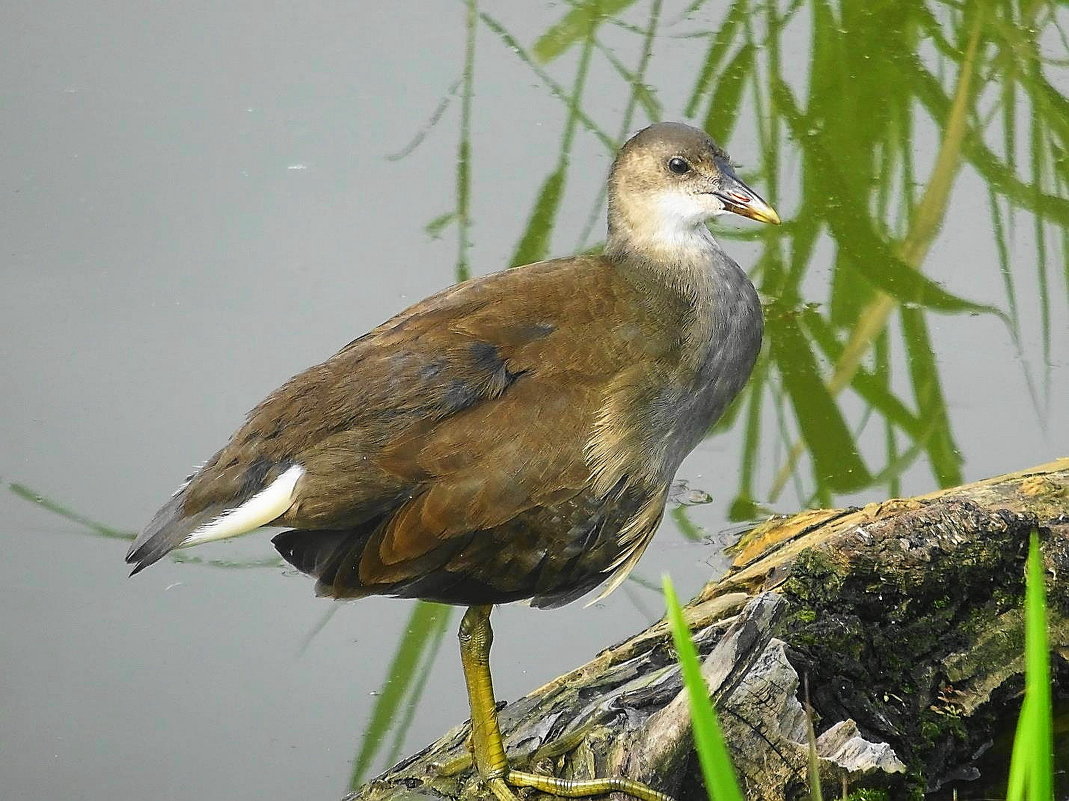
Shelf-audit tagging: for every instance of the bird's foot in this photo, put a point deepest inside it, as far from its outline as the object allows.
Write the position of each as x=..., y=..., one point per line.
x=501, y=785
x=487, y=748
x=581, y=788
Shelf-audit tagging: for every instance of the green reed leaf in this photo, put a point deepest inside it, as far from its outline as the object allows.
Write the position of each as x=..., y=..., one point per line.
x=717, y=770
x=943, y=453
x=534, y=244
x=724, y=37
x=554, y=87
x=995, y=172
x=867, y=384
x=55, y=507
x=436, y=226
x=854, y=230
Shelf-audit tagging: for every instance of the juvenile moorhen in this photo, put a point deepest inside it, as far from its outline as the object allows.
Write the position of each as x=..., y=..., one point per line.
x=513, y=437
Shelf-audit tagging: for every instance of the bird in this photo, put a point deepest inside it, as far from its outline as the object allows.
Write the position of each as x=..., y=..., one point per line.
x=511, y=438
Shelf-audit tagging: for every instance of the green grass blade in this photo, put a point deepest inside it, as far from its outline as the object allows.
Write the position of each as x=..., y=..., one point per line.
x=1040, y=169
x=1002, y=248
x=1032, y=766
x=995, y=172
x=871, y=386
x=687, y=527
x=425, y=129
x=725, y=36
x=713, y=755
x=111, y=533
x=534, y=245
x=642, y=94
x=423, y=672
x=743, y=506
x=558, y=91
x=943, y=452
x=436, y=226
x=227, y=564
x=462, y=270
x=854, y=231
x=816, y=792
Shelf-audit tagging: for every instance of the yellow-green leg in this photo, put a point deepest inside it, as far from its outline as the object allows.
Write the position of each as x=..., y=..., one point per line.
x=476, y=637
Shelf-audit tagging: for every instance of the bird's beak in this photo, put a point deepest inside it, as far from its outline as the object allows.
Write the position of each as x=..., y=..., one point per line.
x=739, y=199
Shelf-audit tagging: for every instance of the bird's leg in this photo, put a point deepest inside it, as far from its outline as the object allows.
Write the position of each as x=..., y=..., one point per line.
x=476, y=637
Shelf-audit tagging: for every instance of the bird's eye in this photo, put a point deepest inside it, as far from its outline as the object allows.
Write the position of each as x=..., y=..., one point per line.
x=678, y=165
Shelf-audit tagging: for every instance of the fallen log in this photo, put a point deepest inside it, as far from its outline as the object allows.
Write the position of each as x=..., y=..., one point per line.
x=902, y=618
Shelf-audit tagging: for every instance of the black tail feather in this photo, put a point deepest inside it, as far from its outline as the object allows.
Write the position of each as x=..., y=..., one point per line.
x=332, y=556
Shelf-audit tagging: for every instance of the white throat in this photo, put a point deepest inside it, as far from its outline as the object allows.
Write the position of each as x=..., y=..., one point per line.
x=674, y=225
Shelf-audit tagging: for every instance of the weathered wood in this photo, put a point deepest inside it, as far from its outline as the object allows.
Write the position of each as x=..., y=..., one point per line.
x=903, y=618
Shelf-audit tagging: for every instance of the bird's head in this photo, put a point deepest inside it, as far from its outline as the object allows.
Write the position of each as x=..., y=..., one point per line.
x=667, y=181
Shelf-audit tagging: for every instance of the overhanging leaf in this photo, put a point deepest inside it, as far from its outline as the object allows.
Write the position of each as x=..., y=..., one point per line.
x=722, y=40
x=931, y=403
x=435, y=227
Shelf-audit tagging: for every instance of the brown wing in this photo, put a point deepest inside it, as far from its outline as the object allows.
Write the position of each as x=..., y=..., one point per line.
x=500, y=503
x=466, y=414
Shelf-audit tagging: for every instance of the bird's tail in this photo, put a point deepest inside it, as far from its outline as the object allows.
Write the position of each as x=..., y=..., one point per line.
x=168, y=530
x=176, y=525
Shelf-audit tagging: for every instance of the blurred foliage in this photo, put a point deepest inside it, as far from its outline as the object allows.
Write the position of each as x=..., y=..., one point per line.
x=400, y=694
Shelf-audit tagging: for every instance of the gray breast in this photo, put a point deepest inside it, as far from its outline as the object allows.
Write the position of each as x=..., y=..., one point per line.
x=735, y=328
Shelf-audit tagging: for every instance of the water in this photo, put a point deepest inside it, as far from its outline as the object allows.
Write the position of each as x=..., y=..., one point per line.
x=198, y=204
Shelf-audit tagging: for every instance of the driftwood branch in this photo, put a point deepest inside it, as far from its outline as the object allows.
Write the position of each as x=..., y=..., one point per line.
x=903, y=618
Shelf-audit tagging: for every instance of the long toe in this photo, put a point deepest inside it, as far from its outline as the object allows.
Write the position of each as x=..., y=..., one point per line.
x=584, y=788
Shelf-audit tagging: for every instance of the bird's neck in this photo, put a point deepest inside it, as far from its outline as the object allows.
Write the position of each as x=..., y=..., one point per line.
x=675, y=278
x=687, y=280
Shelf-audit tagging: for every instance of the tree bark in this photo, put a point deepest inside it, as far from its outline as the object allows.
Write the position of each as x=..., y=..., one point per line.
x=903, y=618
